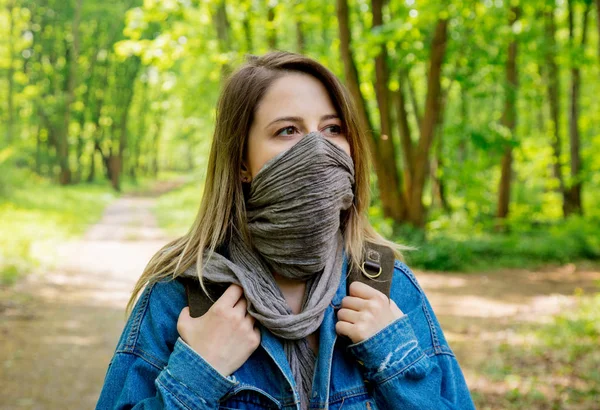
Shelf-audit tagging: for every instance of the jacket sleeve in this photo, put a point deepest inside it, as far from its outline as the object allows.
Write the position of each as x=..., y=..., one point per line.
x=411, y=372
x=145, y=374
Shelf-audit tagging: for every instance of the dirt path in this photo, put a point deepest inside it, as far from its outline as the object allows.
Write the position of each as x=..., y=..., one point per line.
x=58, y=331
x=481, y=312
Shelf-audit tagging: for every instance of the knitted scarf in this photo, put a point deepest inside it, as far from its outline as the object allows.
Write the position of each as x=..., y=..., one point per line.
x=294, y=208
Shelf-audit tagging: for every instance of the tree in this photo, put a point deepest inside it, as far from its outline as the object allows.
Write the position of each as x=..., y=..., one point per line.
x=509, y=120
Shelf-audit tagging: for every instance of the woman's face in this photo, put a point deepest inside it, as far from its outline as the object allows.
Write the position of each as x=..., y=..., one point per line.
x=294, y=105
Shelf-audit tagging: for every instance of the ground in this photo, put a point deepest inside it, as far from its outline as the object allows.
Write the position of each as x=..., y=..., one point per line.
x=58, y=329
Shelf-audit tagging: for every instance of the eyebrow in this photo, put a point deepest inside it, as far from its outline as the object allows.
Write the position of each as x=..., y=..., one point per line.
x=300, y=119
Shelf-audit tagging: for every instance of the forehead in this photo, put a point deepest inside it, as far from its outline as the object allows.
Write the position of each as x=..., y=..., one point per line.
x=295, y=94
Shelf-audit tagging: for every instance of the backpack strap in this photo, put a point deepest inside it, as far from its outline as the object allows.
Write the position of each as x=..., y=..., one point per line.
x=378, y=262
x=198, y=302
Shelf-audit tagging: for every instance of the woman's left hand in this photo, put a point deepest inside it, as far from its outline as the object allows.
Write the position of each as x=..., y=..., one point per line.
x=365, y=312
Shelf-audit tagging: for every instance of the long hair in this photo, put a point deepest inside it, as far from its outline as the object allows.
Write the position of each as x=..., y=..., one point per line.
x=223, y=206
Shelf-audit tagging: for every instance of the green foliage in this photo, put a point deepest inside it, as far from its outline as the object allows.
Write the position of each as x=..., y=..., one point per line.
x=450, y=250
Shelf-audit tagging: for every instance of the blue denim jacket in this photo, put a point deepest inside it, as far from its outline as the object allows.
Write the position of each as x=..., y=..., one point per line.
x=406, y=365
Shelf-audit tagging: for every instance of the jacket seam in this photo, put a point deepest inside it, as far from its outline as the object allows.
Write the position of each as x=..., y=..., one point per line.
x=150, y=358
x=404, y=269
x=172, y=393
x=135, y=353
x=346, y=394
x=137, y=322
x=434, y=336
x=432, y=351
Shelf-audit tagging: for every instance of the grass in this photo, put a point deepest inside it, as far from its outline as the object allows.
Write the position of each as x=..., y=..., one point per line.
x=176, y=210
x=556, y=365
x=37, y=214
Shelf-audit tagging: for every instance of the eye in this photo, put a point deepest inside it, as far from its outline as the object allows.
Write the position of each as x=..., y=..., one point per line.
x=333, y=129
x=287, y=131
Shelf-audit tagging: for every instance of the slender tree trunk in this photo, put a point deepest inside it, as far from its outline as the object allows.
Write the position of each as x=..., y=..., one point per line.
x=464, y=118
x=300, y=40
x=10, y=74
x=573, y=203
x=247, y=23
x=132, y=71
x=509, y=120
x=413, y=97
x=554, y=100
x=416, y=210
x=438, y=187
x=222, y=25
x=405, y=139
x=271, y=31
x=598, y=24
x=155, y=147
x=63, y=137
x=391, y=189
x=391, y=195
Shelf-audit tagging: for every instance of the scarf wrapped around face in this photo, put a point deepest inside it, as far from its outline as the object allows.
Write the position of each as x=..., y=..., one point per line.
x=293, y=214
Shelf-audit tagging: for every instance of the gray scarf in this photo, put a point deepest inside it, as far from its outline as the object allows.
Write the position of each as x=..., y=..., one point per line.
x=293, y=208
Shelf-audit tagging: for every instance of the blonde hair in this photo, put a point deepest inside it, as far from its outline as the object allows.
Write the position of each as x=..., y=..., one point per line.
x=222, y=206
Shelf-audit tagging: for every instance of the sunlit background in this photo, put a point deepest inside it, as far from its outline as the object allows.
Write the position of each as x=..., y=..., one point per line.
x=485, y=115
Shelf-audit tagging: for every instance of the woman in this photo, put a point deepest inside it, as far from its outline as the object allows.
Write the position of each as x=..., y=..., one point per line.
x=282, y=221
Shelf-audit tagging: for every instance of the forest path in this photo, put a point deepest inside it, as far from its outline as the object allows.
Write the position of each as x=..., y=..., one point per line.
x=59, y=328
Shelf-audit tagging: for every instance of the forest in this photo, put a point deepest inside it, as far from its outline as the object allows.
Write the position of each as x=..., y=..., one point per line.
x=483, y=119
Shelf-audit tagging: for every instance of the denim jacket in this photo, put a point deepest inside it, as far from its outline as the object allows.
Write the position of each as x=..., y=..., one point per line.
x=406, y=365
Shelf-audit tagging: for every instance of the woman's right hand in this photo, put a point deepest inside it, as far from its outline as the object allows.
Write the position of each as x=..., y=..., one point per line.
x=225, y=335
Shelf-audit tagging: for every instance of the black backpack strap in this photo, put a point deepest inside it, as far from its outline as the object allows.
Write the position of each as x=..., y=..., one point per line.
x=378, y=262
x=198, y=302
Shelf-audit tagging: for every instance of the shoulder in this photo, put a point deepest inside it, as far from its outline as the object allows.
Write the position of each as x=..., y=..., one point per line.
x=412, y=300
x=151, y=329
x=405, y=289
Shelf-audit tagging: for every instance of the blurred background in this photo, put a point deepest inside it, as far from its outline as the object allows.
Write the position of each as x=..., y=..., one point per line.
x=484, y=119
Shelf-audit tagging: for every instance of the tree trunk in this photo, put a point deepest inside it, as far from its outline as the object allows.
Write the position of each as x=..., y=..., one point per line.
x=248, y=29
x=509, y=120
x=63, y=137
x=598, y=24
x=438, y=188
x=416, y=210
x=222, y=26
x=300, y=40
x=10, y=74
x=405, y=139
x=271, y=31
x=554, y=100
x=390, y=191
x=573, y=203
x=413, y=97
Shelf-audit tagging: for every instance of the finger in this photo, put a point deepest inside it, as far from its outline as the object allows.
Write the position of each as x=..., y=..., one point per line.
x=241, y=305
x=354, y=303
x=347, y=315
x=231, y=296
x=184, y=314
x=362, y=290
x=343, y=328
x=395, y=308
